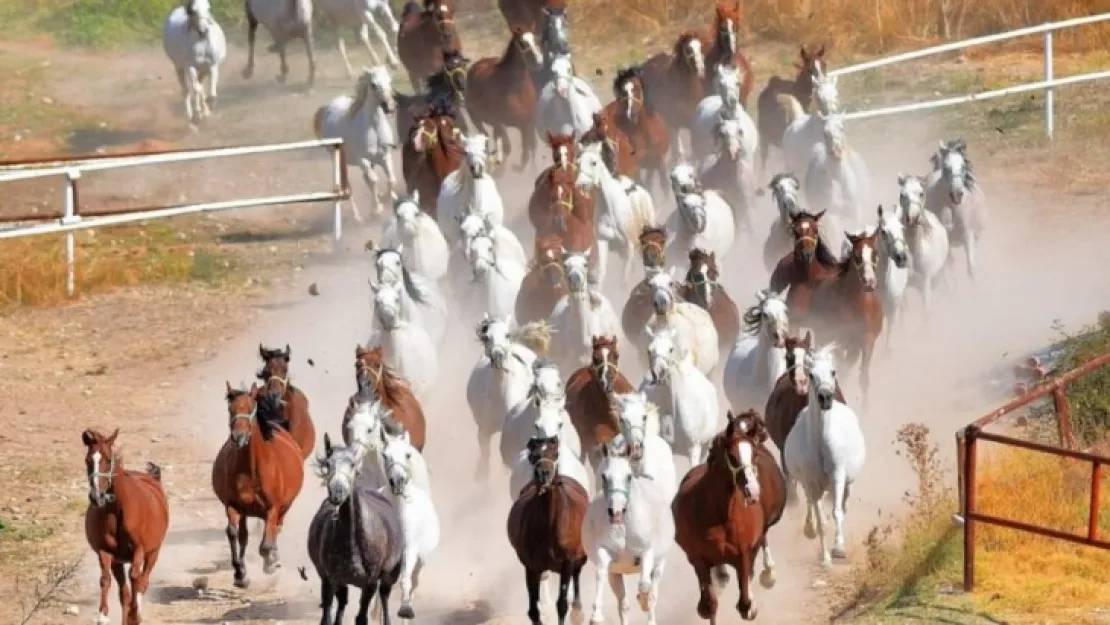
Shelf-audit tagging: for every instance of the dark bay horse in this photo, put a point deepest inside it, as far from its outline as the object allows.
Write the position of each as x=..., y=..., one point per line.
x=431, y=151
x=589, y=393
x=393, y=392
x=501, y=94
x=772, y=118
x=258, y=473
x=809, y=265
x=725, y=50
x=616, y=147
x=355, y=539
x=646, y=129
x=702, y=287
x=638, y=309
x=790, y=396
x=675, y=83
x=544, y=284
x=424, y=36
x=722, y=512
x=125, y=523
x=545, y=528
x=294, y=404
x=527, y=14
x=445, y=89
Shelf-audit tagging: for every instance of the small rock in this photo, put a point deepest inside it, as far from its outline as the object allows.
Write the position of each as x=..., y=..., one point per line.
x=313, y=290
x=200, y=583
x=71, y=610
x=311, y=362
x=47, y=100
x=819, y=583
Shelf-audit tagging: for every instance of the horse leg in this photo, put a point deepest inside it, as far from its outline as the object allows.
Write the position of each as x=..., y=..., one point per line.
x=602, y=560
x=865, y=369
x=382, y=39
x=135, y=577
x=485, y=441
x=969, y=251
x=707, y=601
x=744, y=566
x=237, y=537
x=366, y=595
x=341, y=596
x=213, y=87
x=616, y=584
x=343, y=54
x=310, y=50
x=545, y=593
x=576, y=605
x=268, y=547
x=644, y=591
x=385, y=587
x=371, y=179
x=532, y=581
x=327, y=595
x=408, y=564
x=363, y=34
x=390, y=176
x=720, y=575
x=810, y=528
x=601, y=250
x=105, y=585
x=252, y=35
x=143, y=583
x=284, y=75
x=839, y=495
x=120, y=574
x=528, y=143
x=767, y=576
x=819, y=519
x=656, y=577
x=562, y=606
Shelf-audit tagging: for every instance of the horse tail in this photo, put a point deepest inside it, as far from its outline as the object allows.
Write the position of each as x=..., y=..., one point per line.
x=536, y=336
x=154, y=471
x=791, y=107
x=414, y=287
x=642, y=213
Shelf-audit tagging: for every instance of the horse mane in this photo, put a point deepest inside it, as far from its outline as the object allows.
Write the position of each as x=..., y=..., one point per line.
x=438, y=82
x=391, y=426
x=362, y=94
x=535, y=335
x=269, y=414
x=753, y=318
x=410, y=8
x=393, y=385
x=825, y=255
x=416, y=289
x=650, y=230
x=779, y=177
x=235, y=393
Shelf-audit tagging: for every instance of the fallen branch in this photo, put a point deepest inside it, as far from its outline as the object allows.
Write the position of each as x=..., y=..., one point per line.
x=44, y=591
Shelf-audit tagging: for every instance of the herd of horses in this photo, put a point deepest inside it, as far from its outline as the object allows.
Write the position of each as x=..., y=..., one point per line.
x=591, y=455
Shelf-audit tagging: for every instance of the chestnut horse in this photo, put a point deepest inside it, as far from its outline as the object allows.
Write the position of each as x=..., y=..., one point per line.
x=646, y=130
x=430, y=152
x=294, y=404
x=125, y=523
x=545, y=528
x=393, y=392
x=258, y=473
x=790, y=396
x=725, y=50
x=564, y=155
x=527, y=14
x=501, y=94
x=702, y=287
x=589, y=394
x=616, y=147
x=638, y=310
x=424, y=35
x=564, y=210
x=723, y=509
x=772, y=118
x=809, y=265
x=544, y=284
x=675, y=83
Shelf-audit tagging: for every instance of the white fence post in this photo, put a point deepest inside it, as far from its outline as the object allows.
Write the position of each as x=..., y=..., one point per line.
x=69, y=216
x=338, y=166
x=1049, y=96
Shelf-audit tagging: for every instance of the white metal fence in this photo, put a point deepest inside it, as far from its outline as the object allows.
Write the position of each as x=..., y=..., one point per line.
x=72, y=169
x=1047, y=85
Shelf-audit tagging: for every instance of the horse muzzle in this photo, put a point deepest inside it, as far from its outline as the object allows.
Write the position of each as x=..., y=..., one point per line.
x=956, y=196
x=240, y=439
x=615, y=517
x=824, y=399
x=388, y=106
x=807, y=256
x=636, y=451
x=900, y=259
x=477, y=171
x=801, y=388
x=397, y=487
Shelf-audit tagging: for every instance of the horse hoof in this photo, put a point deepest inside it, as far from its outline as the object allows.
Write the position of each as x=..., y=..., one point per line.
x=242, y=582
x=101, y=619
x=767, y=578
x=826, y=563
x=839, y=553
x=597, y=618
x=750, y=614
x=645, y=600
x=406, y=612
x=281, y=78
x=270, y=568
x=809, y=532
x=248, y=73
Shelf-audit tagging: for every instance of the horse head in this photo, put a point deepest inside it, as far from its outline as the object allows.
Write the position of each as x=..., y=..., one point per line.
x=804, y=228
x=376, y=80
x=563, y=152
x=826, y=94
x=702, y=275
x=275, y=370
x=692, y=207
x=812, y=64
x=786, y=190
x=690, y=52
x=911, y=198
x=727, y=22
x=496, y=339
x=524, y=42
x=483, y=256
x=549, y=258
x=387, y=303
x=198, y=14
x=736, y=448
x=894, y=237
x=616, y=476
x=653, y=241
x=576, y=268
x=662, y=285
x=562, y=75
x=861, y=254
x=605, y=361
x=590, y=165
x=834, y=137
x=664, y=353
x=729, y=135
x=955, y=168
x=337, y=468
x=454, y=71
x=634, y=415
x=101, y=465
x=769, y=316
x=797, y=361
x=397, y=458
x=242, y=408
x=822, y=375
x=543, y=456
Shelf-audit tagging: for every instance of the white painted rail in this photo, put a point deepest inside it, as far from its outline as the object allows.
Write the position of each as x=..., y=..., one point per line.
x=72, y=169
x=1047, y=85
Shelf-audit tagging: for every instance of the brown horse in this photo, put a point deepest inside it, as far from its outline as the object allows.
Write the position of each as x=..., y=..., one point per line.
x=500, y=93
x=564, y=152
x=675, y=83
x=430, y=153
x=772, y=118
x=722, y=512
x=589, y=396
x=544, y=284
x=424, y=35
x=616, y=147
x=545, y=528
x=394, y=392
x=809, y=265
x=637, y=308
x=789, y=397
x=294, y=404
x=566, y=210
x=527, y=14
x=646, y=130
x=702, y=287
x=725, y=50
x=125, y=523
x=258, y=473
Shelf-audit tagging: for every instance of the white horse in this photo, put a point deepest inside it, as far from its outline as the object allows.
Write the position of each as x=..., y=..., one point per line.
x=363, y=122
x=197, y=46
x=497, y=278
x=362, y=431
x=580, y=315
x=731, y=150
x=363, y=16
x=406, y=346
x=419, y=521
x=837, y=176
x=648, y=450
x=703, y=220
x=421, y=301
x=470, y=189
x=623, y=208
x=758, y=356
x=803, y=130
x=566, y=103
x=286, y=20
x=628, y=529
x=928, y=239
x=692, y=325
x=686, y=395
x=546, y=399
x=825, y=451
x=502, y=377
x=724, y=105
x=505, y=244
x=953, y=192
x=415, y=232
x=893, y=269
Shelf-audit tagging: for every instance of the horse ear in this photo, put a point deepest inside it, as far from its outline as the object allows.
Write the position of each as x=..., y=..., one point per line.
x=254, y=389
x=802, y=51
x=88, y=438
x=807, y=342
x=762, y=294
x=415, y=197
x=820, y=52
x=374, y=287
x=327, y=444
x=880, y=212
x=818, y=216
x=261, y=352
x=941, y=145
x=400, y=249
x=288, y=352
x=112, y=438
x=902, y=178
x=228, y=385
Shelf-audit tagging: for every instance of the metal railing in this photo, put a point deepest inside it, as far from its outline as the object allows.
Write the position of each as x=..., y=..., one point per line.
x=72, y=220
x=1047, y=85
x=967, y=444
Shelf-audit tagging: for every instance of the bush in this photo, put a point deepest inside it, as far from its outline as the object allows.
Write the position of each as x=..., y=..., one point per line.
x=1089, y=397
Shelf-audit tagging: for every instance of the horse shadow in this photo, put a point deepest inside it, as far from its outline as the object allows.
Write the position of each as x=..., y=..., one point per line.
x=168, y=595
x=477, y=614
x=194, y=536
x=270, y=610
x=89, y=139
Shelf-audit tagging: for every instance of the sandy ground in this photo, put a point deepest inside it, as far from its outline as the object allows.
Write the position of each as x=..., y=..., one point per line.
x=941, y=371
